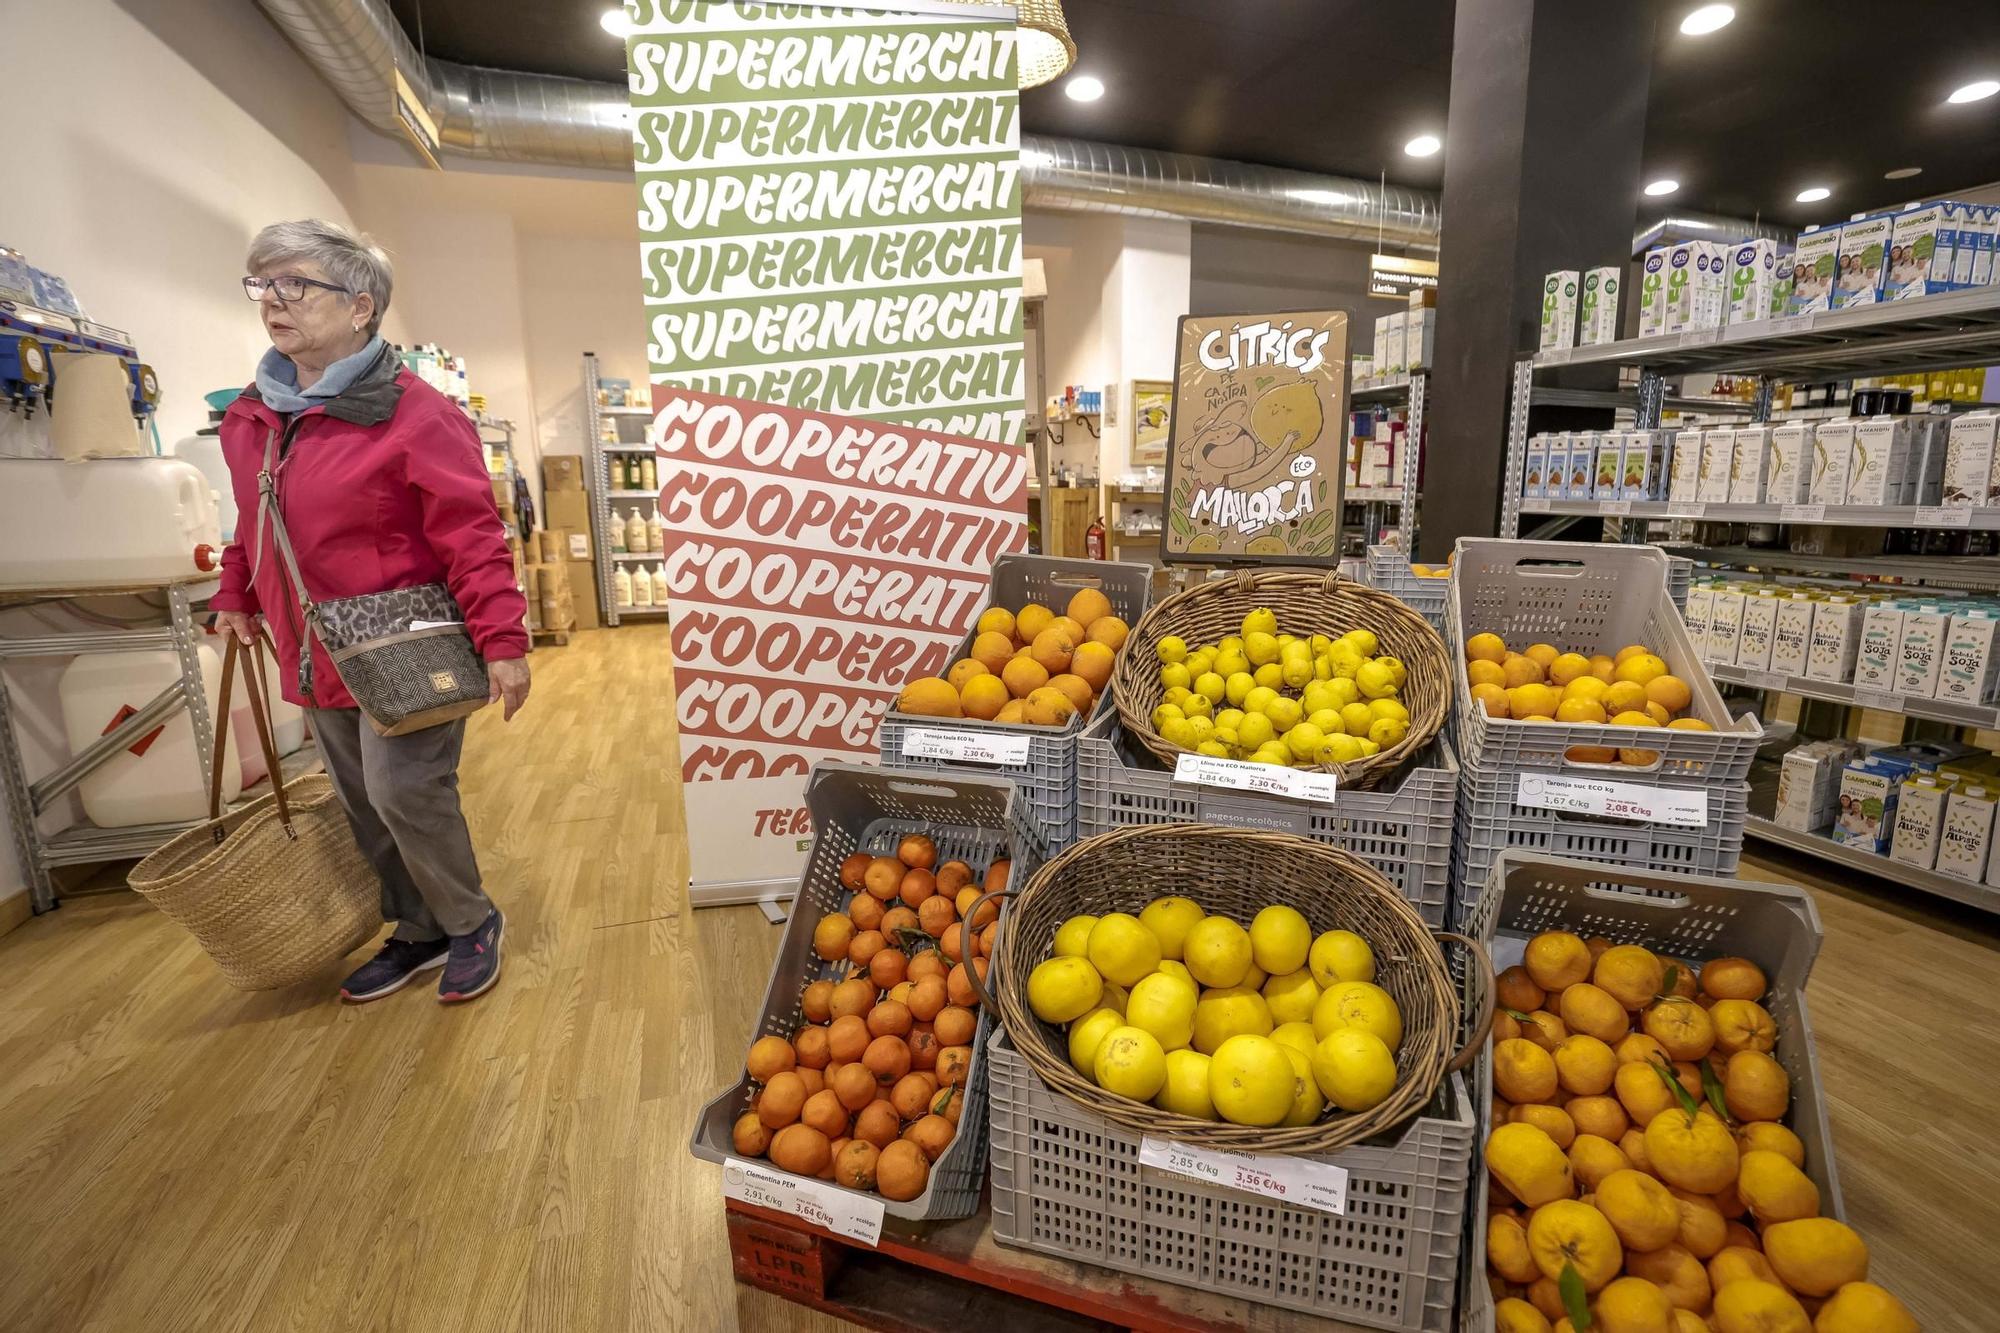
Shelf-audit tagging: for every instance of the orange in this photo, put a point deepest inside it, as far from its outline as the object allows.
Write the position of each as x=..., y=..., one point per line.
x=1486, y=648
x=1579, y=710
x=1764, y=1307
x=1092, y=661
x=1676, y=1271
x=1641, y=1211
x=1590, y=754
x=1591, y=1159
x=1557, y=959
x=1515, y=989
x=1863, y=1307
x=992, y=649
x=964, y=669
x=1602, y=1116
x=996, y=620
x=1633, y=719
x=1682, y=1029
x=1076, y=687
x=1047, y=707
x=1754, y=1086
x=1519, y=670
x=1624, y=696
x=1566, y=667
x=1031, y=620
x=1641, y=1048
x=1630, y=973
x=1584, y=1065
x=1658, y=713
x=1551, y=1120
x=1742, y=1025
x=1109, y=631
x=1069, y=626
x=1642, y=1093
x=929, y=696
x=1023, y=676
x=1533, y=700
x=1733, y=979
x=1543, y=654
x=1523, y=1071
x=1479, y=671
x=1630, y=650
x=1640, y=669
x=1053, y=648
x=1087, y=606
x=983, y=696
x=1601, y=667
x=1689, y=724
x=1593, y=1010
x=1764, y=1136
x=1586, y=687
x=1670, y=692
x=1493, y=699
x=1012, y=711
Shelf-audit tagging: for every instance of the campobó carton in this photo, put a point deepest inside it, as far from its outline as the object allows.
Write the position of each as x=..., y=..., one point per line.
x=1833, y=455
x=1813, y=262
x=1863, y=269
x=1836, y=639
x=1760, y=621
x=1919, y=816
x=1718, y=450
x=1684, y=466
x=1559, y=292
x=1645, y=464
x=1749, y=459
x=1920, y=653
x=1920, y=253
x=1609, y=479
x=1970, y=672
x=1791, y=634
x=1965, y=839
x=1598, y=317
x=1880, y=465
x=1970, y=463
x=1653, y=293
x=1535, y=468
x=1869, y=790
x=1753, y=272
x=1789, y=476
x=1881, y=646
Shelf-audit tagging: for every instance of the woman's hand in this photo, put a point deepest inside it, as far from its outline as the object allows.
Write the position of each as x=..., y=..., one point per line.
x=242, y=624
x=509, y=677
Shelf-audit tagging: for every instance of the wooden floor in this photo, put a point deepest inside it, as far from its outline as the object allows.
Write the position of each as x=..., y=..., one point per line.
x=178, y=1155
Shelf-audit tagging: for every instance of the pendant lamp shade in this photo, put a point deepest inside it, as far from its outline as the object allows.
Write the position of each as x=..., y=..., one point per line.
x=1044, y=48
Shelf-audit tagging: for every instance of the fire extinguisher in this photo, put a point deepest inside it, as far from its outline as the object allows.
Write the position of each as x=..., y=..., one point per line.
x=1093, y=540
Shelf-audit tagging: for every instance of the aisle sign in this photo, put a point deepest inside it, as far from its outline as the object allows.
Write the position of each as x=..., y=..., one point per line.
x=1614, y=800
x=1296, y=1180
x=1259, y=427
x=846, y=1213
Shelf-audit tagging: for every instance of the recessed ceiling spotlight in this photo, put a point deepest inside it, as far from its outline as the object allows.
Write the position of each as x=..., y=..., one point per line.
x=1707, y=19
x=1083, y=88
x=616, y=22
x=1331, y=198
x=1814, y=195
x=1975, y=92
x=1424, y=145
x=1658, y=188
x=1902, y=173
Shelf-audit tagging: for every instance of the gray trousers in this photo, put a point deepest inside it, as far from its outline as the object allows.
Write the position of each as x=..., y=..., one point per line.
x=401, y=798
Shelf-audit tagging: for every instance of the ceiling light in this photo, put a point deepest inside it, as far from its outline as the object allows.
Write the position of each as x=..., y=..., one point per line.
x=616, y=22
x=1043, y=50
x=1331, y=198
x=1975, y=92
x=1902, y=173
x=1084, y=88
x=1707, y=19
x=1424, y=145
x=1814, y=195
x=1658, y=188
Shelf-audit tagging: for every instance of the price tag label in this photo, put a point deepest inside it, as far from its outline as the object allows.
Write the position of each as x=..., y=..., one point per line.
x=1535, y=504
x=843, y=1212
x=965, y=747
x=1802, y=513
x=1792, y=324
x=1615, y=508
x=1320, y=1185
x=1264, y=779
x=1700, y=337
x=1555, y=356
x=1887, y=703
x=1614, y=800
x=1764, y=680
x=1686, y=509
x=1944, y=516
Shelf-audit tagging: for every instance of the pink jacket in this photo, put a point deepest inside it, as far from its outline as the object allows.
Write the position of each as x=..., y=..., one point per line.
x=382, y=487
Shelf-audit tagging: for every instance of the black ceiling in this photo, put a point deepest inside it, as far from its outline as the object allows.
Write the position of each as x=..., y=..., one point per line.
x=1793, y=93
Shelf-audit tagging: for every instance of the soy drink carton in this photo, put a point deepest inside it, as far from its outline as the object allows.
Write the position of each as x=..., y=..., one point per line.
x=1559, y=292
x=1920, y=253
x=1870, y=790
x=1684, y=465
x=1598, y=315
x=1881, y=647
x=1725, y=624
x=1791, y=634
x=1970, y=672
x=1753, y=272
x=1749, y=460
x=1863, y=269
x=1879, y=468
x=1969, y=461
x=1645, y=464
x=1920, y=651
x=1753, y=639
x=1608, y=480
x=1788, y=478
x=1920, y=809
x=1836, y=639
x=1833, y=456
x=1653, y=293
x=1718, y=450
x=1965, y=839
x=1813, y=262
x=1535, y=469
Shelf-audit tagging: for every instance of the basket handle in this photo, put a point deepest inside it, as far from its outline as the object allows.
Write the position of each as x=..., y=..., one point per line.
x=1331, y=583
x=260, y=715
x=1483, y=962
x=972, y=978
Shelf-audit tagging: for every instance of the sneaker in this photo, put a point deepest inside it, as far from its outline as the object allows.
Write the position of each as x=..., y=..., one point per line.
x=474, y=964
x=391, y=969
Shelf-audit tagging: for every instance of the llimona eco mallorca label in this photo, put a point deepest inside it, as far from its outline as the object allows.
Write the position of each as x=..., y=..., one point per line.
x=1259, y=426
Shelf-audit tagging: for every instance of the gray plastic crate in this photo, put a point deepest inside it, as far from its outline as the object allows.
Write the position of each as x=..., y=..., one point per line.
x=1389, y=569
x=859, y=807
x=1048, y=778
x=1693, y=917
x=1585, y=597
x=1067, y=1181
x=1405, y=833
x=1680, y=573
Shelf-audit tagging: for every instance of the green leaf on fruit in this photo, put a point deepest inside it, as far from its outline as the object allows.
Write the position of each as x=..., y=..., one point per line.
x=1518, y=1016
x=1712, y=1086
x=1673, y=974
x=1666, y=1072
x=1575, y=1299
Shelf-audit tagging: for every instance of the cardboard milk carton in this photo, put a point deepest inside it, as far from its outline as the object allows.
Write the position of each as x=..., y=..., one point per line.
x=1989, y=240
x=1788, y=476
x=1920, y=255
x=1863, y=269
x=1718, y=452
x=1609, y=478
x=1809, y=784
x=1965, y=839
x=1696, y=286
x=1753, y=272
x=1881, y=647
x=1970, y=672
x=1791, y=634
x=1760, y=621
x=1920, y=653
x=1684, y=466
x=1598, y=314
x=1393, y=348
x=1725, y=623
x=1419, y=337
x=1555, y=481
x=1559, y=293
x=1836, y=639
x=1582, y=464
x=1869, y=792
x=1653, y=293
x=1645, y=464
x=1833, y=456
x=1783, y=279
x=1700, y=601
x=1919, y=819
x=1970, y=458
x=1535, y=468
x=1971, y=222
x=1925, y=484
x=1880, y=465
x=1813, y=264
x=1748, y=464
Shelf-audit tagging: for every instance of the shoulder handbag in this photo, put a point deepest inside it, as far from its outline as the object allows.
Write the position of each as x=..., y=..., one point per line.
x=277, y=891
x=404, y=654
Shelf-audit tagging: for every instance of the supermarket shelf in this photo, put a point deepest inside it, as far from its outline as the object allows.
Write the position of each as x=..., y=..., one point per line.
x=1899, y=873
x=637, y=555
x=646, y=495
x=1970, y=573
x=84, y=843
x=626, y=448
x=1848, y=516
x=1936, y=710
x=1546, y=396
x=625, y=611
x=625, y=411
x=1390, y=391
x=1952, y=329
x=1356, y=495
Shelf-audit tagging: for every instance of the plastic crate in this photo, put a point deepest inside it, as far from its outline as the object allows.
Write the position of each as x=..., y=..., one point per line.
x=1048, y=777
x=1680, y=573
x=857, y=807
x=1067, y=1181
x=1389, y=569
x=1585, y=597
x=1693, y=917
x=1403, y=832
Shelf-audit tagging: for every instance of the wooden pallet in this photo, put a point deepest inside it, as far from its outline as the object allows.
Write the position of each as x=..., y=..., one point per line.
x=950, y=1277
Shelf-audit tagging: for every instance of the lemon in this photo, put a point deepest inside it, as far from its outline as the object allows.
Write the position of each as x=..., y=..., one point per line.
x=1317, y=697
x=1229, y=717
x=1176, y=697
x=1231, y=662
x=1175, y=676
x=1200, y=662
x=1396, y=669
x=1179, y=732
x=1186, y=1089
x=1344, y=692
x=1298, y=1036
x=1200, y=728
x=1163, y=1005
x=1114, y=997
x=1171, y=649
x=1254, y=730
x=1374, y=679
x=1259, y=698
x=1086, y=1034
x=1358, y=1004
x=1356, y=718
x=1230, y=643
x=1387, y=732
x=1170, y=919
x=1131, y=1064
x=1236, y=687
x=1196, y=705
x=1166, y=713
x=1259, y=647
x=1175, y=968
x=1274, y=753
x=1297, y=672
x=1304, y=741
x=1292, y=996
x=1361, y=641
x=1228, y=1011
x=1213, y=749
x=1270, y=676
x=1354, y=1069
x=1254, y=978
x=1392, y=708
x=1073, y=937
x=1284, y=713
x=1327, y=719
x=1261, y=621
x=1307, y=1102
x=1121, y=949
x=1211, y=686
x=1341, y=955
x=1060, y=989
x=1225, y=737
x=1346, y=662
x=1340, y=749
x=1217, y=951
x=1251, y=1081
x=1280, y=938
x=1323, y=668
x=1369, y=749
x=1319, y=643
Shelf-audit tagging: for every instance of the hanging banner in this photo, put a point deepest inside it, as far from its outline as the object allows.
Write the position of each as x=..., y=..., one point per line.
x=1258, y=424
x=830, y=254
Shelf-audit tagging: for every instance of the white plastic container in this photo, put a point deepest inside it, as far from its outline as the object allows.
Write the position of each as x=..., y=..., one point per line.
x=622, y=584
x=205, y=453
x=659, y=582
x=105, y=521
x=642, y=588
x=163, y=783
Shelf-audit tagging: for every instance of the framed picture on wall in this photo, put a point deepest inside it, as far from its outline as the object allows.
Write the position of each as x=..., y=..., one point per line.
x=1152, y=418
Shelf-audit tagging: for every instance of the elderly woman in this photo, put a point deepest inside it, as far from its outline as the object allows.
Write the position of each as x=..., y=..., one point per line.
x=381, y=484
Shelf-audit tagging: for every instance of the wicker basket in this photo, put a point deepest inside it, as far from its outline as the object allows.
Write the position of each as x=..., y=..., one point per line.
x=1305, y=603
x=1123, y=870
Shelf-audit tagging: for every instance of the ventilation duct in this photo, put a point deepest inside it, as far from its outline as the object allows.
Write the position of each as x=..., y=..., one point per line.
x=1705, y=227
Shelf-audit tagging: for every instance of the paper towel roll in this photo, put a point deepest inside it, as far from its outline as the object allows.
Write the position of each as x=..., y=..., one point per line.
x=91, y=415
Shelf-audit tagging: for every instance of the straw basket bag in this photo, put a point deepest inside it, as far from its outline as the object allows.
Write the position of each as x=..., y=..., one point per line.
x=1306, y=603
x=274, y=892
x=1236, y=872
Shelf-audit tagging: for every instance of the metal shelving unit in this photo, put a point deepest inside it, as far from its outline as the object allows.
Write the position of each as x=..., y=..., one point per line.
x=1927, y=517
x=603, y=497
x=1414, y=390
x=1985, y=717
x=1901, y=873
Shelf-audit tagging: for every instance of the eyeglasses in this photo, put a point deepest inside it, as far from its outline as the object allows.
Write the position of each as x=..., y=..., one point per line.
x=288, y=287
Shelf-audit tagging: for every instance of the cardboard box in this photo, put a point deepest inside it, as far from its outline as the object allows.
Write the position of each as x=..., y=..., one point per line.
x=1880, y=466
x=1919, y=820
x=1965, y=839
x=566, y=509
x=1582, y=464
x=1598, y=318
x=1701, y=601
x=1419, y=338
x=562, y=472
x=1836, y=639
x=1725, y=624
x=581, y=576
x=1684, y=465
x=1755, y=631
x=1535, y=469
x=1881, y=646
x=1609, y=478
x=1645, y=462
x=1559, y=293
x=1791, y=634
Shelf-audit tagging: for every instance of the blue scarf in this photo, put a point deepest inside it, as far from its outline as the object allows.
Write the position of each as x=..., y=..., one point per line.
x=278, y=378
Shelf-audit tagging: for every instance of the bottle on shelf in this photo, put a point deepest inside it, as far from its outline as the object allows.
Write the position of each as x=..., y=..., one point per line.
x=653, y=530
x=636, y=533
x=659, y=582
x=622, y=582
x=1094, y=540
x=617, y=538
x=642, y=588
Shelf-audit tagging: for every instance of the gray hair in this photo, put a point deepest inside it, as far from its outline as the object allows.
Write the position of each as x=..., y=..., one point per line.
x=348, y=257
